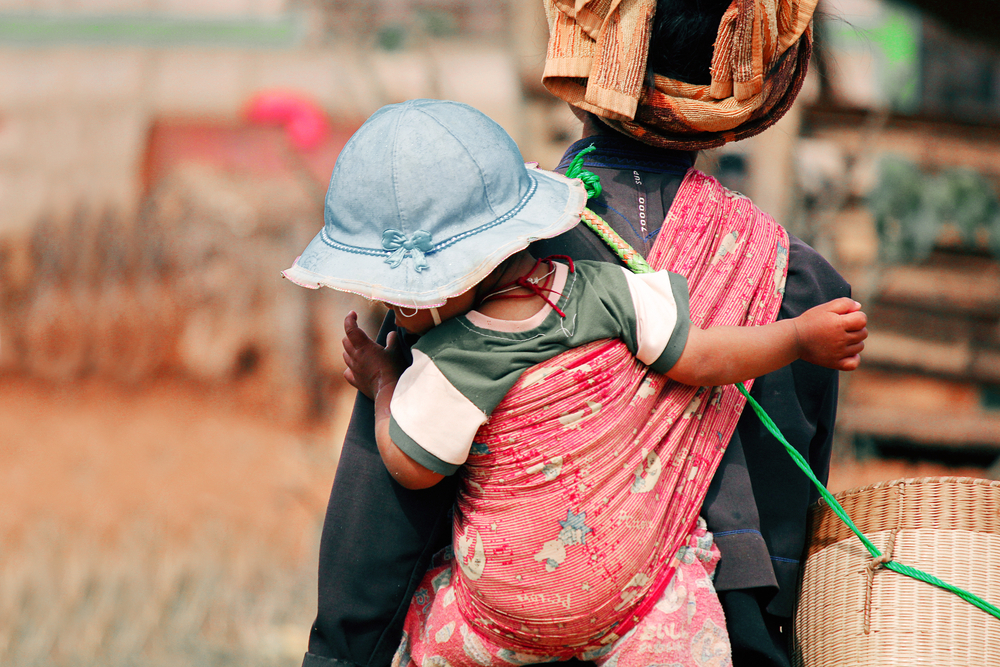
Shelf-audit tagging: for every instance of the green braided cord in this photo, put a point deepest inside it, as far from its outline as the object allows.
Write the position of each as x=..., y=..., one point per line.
x=840, y=512
x=591, y=181
x=626, y=253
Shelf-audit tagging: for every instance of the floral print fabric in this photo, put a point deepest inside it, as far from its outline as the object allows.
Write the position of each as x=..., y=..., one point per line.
x=685, y=627
x=591, y=472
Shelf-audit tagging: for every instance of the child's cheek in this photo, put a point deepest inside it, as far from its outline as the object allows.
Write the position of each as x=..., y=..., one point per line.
x=418, y=324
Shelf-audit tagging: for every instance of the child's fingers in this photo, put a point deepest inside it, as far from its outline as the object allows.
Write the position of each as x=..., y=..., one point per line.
x=854, y=349
x=350, y=372
x=352, y=350
x=844, y=305
x=855, y=336
x=351, y=327
x=350, y=324
x=355, y=334
x=353, y=343
x=351, y=321
x=849, y=363
x=352, y=380
x=854, y=321
x=354, y=373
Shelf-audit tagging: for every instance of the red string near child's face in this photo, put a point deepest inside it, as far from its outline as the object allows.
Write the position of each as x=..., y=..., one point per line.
x=531, y=285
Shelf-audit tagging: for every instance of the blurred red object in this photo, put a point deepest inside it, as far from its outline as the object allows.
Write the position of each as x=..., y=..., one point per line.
x=261, y=150
x=303, y=119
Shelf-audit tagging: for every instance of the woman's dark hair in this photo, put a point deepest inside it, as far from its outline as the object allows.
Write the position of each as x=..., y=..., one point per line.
x=683, y=34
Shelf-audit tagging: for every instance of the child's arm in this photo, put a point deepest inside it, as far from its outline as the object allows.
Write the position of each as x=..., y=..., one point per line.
x=830, y=335
x=373, y=370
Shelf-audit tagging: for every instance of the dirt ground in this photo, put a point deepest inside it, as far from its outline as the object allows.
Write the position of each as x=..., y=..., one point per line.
x=164, y=525
x=96, y=457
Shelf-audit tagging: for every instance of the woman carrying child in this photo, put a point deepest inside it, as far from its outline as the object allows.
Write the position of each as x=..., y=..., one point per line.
x=379, y=537
x=486, y=311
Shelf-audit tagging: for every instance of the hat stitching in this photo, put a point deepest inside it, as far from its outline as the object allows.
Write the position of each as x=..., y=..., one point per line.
x=468, y=154
x=443, y=244
x=395, y=182
x=503, y=218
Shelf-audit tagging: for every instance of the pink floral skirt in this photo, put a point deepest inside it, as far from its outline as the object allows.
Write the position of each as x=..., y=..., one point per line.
x=685, y=627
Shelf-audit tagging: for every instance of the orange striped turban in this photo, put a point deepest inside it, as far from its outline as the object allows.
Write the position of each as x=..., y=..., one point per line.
x=596, y=60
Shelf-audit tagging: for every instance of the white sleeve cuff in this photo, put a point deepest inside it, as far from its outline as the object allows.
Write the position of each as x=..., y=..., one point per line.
x=662, y=316
x=436, y=421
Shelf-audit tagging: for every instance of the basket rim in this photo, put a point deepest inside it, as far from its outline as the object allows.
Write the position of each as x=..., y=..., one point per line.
x=911, y=481
x=905, y=504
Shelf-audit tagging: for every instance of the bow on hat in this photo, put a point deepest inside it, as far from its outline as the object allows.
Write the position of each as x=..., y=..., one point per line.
x=399, y=246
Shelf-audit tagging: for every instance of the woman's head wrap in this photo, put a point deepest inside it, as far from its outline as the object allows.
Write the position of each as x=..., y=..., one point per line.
x=596, y=61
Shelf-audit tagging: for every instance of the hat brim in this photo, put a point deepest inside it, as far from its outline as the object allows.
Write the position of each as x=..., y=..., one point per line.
x=554, y=207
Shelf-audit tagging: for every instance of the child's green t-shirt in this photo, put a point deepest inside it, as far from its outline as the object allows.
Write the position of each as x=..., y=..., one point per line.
x=464, y=367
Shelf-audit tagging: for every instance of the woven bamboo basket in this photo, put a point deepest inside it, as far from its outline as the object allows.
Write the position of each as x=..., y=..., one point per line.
x=853, y=612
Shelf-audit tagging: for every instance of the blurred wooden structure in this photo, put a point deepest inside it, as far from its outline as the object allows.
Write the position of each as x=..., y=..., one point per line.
x=932, y=363
x=931, y=371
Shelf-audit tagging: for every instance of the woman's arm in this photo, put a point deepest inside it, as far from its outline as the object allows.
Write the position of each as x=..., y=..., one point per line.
x=374, y=370
x=831, y=335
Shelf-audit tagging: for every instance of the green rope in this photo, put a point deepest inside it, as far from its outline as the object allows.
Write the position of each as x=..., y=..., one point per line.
x=840, y=512
x=591, y=181
x=626, y=253
x=637, y=264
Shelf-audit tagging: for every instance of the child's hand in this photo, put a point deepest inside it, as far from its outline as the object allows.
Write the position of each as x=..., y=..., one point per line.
x=832, y=334
x=369, y=365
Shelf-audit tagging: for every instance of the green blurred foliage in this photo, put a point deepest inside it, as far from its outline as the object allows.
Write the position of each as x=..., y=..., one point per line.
x=391, y=37
x=437, y=23
x=913, y=209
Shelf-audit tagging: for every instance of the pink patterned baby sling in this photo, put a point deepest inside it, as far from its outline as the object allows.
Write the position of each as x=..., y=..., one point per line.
x=592, y=471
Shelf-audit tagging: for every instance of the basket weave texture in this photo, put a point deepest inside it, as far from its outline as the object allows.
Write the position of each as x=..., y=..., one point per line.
x=853, y=612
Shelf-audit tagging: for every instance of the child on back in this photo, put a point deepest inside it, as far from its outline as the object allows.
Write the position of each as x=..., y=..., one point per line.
x=430, y=210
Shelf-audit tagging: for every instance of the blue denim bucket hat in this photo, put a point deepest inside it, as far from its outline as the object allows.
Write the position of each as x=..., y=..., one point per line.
x=426, y=199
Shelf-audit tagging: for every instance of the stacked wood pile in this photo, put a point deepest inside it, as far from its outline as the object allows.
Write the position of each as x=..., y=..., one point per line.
x=932, y=364
x=931, y=371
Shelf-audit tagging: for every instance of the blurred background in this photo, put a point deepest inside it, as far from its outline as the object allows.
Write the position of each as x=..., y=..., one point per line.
x=171, y=410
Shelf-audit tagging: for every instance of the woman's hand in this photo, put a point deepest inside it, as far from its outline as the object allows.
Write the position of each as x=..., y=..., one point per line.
x=370, y=367
x=833, y=334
